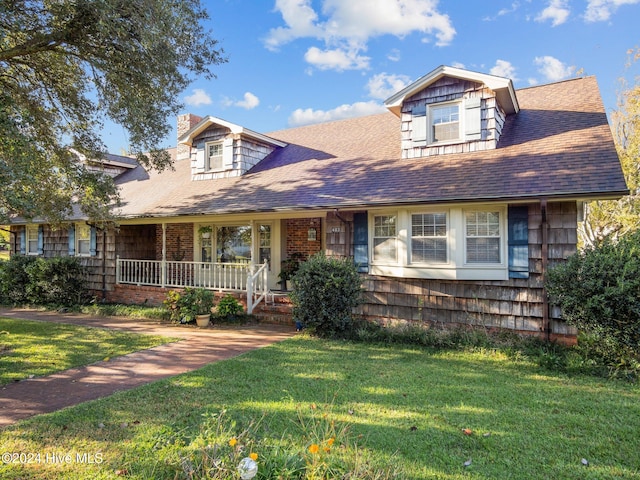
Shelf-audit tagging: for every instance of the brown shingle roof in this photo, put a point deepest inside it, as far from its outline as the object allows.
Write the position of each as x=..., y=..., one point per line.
x=558, y=145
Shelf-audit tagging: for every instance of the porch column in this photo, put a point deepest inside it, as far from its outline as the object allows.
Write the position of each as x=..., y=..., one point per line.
x=164, y=254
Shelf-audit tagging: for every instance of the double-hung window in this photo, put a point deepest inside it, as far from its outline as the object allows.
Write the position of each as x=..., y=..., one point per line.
x=429, y=237
x=83, y=240
x=385, y=234
x=444, y=122
x=214, y=159
x=482, y=232
x=32, y=240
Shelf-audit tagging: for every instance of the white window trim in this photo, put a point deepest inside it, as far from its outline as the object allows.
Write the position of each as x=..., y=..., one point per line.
x=28, y=229
x=456, y=267
x=207, y=158
x=80, y=227
x=502, y=242
x=434, y=106
x=446, y=237
x=372, y=236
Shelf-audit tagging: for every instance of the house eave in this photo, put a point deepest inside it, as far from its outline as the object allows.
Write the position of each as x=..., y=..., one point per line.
x=502, y=86
x=188, y=137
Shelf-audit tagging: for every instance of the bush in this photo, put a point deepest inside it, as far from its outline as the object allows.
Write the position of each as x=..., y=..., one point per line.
x=40, y=281
x=599, y=293
x=184, y=307
x=229, y=306
x=14, y=279
x=325, y=291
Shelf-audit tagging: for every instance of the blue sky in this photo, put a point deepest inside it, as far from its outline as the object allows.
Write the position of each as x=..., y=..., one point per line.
x=297, y=62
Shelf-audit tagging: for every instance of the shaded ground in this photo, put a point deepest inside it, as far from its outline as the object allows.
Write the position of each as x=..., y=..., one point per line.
x=198, y=347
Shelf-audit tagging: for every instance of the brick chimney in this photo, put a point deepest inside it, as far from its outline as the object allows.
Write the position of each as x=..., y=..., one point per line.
x=185, y=123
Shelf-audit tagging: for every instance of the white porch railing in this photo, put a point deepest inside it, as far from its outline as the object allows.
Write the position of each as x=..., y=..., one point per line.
x=214, y=276
x=257, y=286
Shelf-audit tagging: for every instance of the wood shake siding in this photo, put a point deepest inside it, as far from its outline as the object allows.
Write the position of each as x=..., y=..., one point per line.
x=450, y=89
x=515, y=304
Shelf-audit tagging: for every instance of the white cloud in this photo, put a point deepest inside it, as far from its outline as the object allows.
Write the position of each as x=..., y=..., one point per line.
x=553, y=69
x=601, y=10
x=383, y=85
x=309, y=116
x=347, y=26
x=249, y=101
x=503, y=68
x=394, y=55
x=336, y=59
x=197, y=98
x=557, y=12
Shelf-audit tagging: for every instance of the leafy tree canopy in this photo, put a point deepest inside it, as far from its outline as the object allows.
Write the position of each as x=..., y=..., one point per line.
x=611, y=219
x=68, y=65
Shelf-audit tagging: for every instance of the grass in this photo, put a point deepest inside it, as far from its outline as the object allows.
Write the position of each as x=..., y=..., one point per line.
x=31, y=348
x=394, y=412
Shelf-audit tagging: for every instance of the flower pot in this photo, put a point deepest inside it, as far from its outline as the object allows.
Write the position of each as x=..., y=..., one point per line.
x=203, y=320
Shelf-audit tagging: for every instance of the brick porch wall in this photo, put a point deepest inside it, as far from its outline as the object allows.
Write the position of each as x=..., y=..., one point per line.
x=298, y=236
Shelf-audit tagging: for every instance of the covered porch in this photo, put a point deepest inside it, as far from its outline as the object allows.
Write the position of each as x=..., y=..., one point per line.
x=224, y=254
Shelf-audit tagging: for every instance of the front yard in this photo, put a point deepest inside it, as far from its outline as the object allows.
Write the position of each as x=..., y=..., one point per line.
x=332, y=407
x=32, y=349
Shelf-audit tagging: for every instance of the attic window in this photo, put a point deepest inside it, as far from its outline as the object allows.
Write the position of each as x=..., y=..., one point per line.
x=445, y=122
x=214, y=160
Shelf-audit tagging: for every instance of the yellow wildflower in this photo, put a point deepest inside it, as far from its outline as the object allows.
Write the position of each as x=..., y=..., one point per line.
x=233, y=442
x=253, y=456
x=313, y=448
x=330, y=441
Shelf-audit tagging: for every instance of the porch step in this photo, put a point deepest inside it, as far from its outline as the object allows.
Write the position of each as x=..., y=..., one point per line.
x=279, y=309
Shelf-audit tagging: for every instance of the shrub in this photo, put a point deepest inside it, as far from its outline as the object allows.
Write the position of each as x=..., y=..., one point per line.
x=229, y=306
x=14, y=279
x=599, y=293
x=57, y=281
x=325, y=291
x=183, y=307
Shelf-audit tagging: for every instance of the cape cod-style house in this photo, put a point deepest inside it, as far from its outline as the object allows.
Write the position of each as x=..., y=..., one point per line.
x=453, y=204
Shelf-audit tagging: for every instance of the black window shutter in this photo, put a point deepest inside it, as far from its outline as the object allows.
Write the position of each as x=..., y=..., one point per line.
x=518, y=218
x=361, y=242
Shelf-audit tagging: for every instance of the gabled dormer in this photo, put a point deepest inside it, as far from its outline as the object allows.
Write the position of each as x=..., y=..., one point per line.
x=220, y=149
x=451, y=110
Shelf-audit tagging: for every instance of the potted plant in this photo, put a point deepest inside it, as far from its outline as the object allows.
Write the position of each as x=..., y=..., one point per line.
x=205, y=231
x=289, y=267
x=196, y=304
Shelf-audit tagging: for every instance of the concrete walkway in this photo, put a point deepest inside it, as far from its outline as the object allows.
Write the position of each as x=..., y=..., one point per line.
x=198, y=347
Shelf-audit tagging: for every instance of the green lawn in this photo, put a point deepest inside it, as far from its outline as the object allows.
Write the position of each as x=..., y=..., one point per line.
x=31, y=348
x=393, y=412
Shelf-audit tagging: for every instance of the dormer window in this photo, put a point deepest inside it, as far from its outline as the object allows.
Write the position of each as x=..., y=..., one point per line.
x=214, y=157
x=444, y=122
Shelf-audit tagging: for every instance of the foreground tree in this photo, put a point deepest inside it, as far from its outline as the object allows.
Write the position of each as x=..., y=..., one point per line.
x=612, y=219
x=67, y=66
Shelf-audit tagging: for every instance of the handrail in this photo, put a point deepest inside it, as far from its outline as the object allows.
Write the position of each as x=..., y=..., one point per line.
x=257, y=286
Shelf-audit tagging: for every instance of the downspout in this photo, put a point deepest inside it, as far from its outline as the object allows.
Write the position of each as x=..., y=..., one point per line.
x=104, y=264
x=546, y=325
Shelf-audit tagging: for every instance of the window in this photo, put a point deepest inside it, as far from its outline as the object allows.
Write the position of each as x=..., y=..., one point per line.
x=32, y=240
x=384, y=238
x=214, y=156
x=445, y=122
x=83, y=240
x=265, y=243
x=429, y=238
x=482, y=237
x=233, y=244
